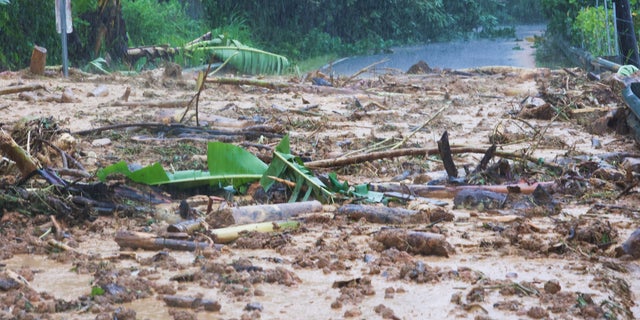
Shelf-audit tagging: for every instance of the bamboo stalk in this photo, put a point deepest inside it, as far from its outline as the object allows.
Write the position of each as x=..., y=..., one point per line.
x=229, y=234
x=14, y=152
x=146, y=241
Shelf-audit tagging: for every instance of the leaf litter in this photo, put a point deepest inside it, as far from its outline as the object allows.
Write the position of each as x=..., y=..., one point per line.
x=542, y=226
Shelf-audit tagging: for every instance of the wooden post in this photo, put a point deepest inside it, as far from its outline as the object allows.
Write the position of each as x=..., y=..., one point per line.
x=38, y=60
x=626, y=33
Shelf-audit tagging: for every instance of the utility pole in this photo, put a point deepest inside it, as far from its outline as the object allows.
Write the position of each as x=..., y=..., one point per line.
x=626, y=33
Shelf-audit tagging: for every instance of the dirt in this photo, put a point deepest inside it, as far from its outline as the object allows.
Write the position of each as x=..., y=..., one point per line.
x=556, y=253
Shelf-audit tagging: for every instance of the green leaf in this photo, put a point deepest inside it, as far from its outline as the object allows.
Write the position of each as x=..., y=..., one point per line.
x=228, y=165
x=245, y=59
x=5, y=1
x=287, y=166
x=238, y=165
x=96, y=291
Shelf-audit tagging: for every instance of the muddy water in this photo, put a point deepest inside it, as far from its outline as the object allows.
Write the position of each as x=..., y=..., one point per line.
x=518, y=52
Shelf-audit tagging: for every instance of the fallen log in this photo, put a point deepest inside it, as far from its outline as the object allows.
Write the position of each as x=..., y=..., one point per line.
x=18, y=89
x=387, y=215
x=147, y=241
x=261, y=213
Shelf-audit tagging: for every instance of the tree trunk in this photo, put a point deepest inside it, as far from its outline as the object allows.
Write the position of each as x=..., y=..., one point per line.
x=38, y=60
x=626, y=33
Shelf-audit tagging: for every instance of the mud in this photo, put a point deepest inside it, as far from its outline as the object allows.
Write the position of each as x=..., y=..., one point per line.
x=564, y=260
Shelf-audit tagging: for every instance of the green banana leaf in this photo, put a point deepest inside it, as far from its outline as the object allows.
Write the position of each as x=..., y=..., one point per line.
x=228, y=165
x=287, y=166
x=247, y=59
x=360, y=191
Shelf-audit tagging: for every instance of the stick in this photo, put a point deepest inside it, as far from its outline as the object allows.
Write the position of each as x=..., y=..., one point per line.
x=251, y=82
x=343, y=161
x=150, y=104
x=363, y=70
x=405, y=139
x=449, y=192
x=17, y=89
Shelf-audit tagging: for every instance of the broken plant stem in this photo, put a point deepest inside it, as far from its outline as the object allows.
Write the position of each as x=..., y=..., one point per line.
x=363, y=70
x=14, y=152
x=405, y=139
x=17, y=89
x=540, y=136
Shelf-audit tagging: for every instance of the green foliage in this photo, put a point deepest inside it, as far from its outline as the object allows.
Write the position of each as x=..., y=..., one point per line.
x=151, y=22
x=590, y=31
x=20, y=31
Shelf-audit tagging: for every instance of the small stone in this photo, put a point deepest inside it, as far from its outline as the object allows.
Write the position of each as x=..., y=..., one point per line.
x=552, y=286
x=352, y=313
x=336, y=305
x=253, y=306
x=101, y=142
x=537, y=313
x=632, y=245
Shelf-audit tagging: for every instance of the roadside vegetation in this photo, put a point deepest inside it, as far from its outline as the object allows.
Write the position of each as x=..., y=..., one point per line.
x=299, y=30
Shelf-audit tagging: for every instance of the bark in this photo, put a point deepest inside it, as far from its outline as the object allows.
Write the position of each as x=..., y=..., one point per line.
x=38, y=60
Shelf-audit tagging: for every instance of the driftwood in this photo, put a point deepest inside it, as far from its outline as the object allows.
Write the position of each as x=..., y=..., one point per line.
x=424, y=243
x=186, y=226
x=450, y=192
x=146, y=241
x=191, y=303
x=38, y=60
x=387, y=215
x=18, y=89
x=261, y=213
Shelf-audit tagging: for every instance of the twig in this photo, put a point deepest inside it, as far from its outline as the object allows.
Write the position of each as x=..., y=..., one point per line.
x=150, y=104
x=343, y=161
x=405, y=139
x=251, y=82
x=363, y=70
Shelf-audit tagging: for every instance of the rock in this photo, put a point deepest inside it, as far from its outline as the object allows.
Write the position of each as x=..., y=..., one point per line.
x=552, y=286
x=419, y=68
x=632, y=245
x=172, y=70
x=101, y=142
x=66, y=142
x=631, y=165
x=537, y=313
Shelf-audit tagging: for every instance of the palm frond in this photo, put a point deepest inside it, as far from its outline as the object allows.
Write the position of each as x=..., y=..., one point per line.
x=5, y=1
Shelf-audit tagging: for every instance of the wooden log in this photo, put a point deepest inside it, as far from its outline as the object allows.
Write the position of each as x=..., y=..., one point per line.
x=261, y=213
x=387, y=215
x=18, y=89
x=146, y=241
x=38, y=60
x=251, y=82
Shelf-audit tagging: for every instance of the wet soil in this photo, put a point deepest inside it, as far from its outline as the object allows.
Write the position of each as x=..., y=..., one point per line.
x=558, y=260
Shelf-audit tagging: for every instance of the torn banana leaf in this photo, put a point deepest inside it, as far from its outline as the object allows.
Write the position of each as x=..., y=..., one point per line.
x=287, y=166
x=228, y=165
x=360, y=191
